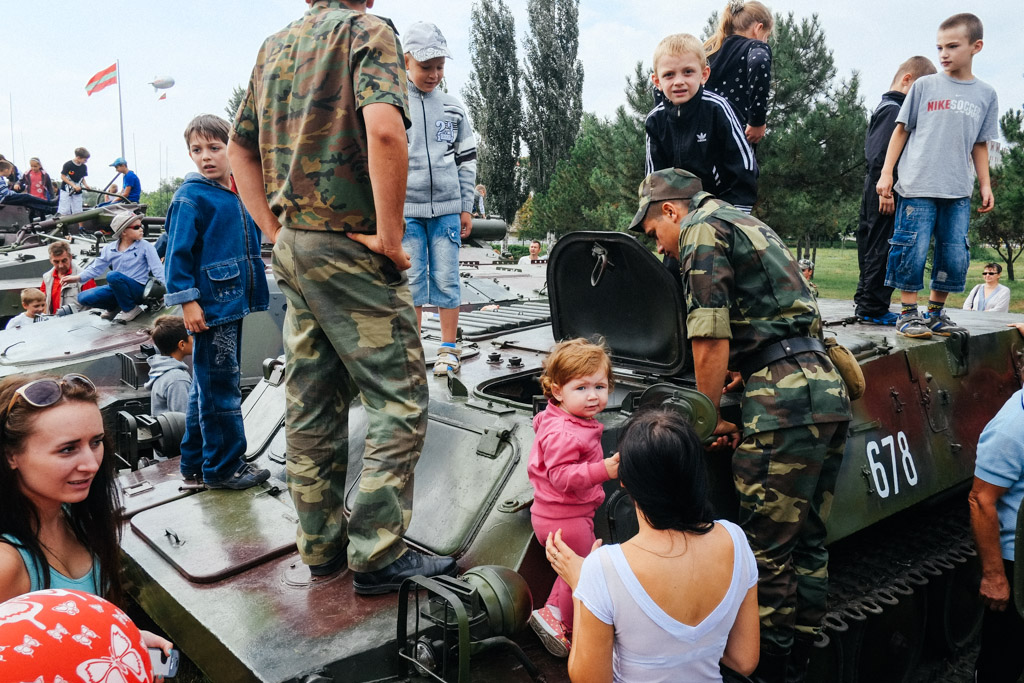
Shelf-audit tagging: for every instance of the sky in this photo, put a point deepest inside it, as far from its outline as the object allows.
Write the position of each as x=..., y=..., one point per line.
x=209, y=46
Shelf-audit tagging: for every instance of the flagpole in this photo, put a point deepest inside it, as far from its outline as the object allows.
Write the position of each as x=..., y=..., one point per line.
x=10, y=101
x=120, y=111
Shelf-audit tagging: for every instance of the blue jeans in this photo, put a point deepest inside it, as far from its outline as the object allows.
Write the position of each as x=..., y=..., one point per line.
x=25, y=199
x=433, y=246
x=917, y=218
x=214, y=441
x=120, y=292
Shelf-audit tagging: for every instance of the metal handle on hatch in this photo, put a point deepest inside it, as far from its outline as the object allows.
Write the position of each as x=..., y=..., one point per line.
x=601, y=254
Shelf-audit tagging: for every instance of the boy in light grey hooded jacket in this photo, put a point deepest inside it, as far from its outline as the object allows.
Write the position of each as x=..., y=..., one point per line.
x=439, y=194
x=169, y=379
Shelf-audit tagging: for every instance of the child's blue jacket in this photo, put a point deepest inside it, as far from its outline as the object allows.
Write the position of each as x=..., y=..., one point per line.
x=213, y=253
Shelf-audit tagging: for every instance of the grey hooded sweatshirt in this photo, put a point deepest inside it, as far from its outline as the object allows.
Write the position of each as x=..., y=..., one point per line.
x=442, y=156
x=169, y=383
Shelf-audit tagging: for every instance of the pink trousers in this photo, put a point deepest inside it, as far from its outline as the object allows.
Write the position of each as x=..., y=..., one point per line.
x=578, y=534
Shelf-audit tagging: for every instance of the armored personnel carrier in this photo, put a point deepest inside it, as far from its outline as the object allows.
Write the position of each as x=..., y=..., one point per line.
x=218, y=570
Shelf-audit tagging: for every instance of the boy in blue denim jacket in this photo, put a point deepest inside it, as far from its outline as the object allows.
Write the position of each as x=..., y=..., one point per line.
x=439, y=194
x=215, y=272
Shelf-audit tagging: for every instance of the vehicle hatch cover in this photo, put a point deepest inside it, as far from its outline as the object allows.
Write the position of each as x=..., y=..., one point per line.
x=212, y=535
x=610, y=284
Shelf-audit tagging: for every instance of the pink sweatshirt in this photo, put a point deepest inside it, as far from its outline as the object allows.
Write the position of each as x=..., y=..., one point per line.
x=566, y=464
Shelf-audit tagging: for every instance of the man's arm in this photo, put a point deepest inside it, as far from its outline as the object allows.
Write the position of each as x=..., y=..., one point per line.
x=995, y=589
x=388, y=163
x=247, y=168
x=979, y=155
x=711, y=366
x=896, y=144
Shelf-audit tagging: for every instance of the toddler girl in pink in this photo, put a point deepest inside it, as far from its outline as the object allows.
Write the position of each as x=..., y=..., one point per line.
x=568, y=467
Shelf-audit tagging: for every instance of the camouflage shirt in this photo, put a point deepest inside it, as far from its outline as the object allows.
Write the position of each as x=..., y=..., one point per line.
x=301, y=112
x=743, y=284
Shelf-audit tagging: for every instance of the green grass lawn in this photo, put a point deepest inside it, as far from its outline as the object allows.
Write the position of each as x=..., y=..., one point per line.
x=836, y=273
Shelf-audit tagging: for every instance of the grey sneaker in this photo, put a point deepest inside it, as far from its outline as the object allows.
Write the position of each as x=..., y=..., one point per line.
x=940, y=324
x=244, y=477
x=128, y=316
x=914, y=326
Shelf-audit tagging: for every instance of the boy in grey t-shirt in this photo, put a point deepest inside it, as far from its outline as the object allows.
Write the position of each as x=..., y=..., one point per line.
x=943, y=127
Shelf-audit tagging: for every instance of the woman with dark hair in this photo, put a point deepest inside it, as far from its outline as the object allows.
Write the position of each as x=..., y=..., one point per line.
x=989, y=295
x=679, y=598
x=60, y=518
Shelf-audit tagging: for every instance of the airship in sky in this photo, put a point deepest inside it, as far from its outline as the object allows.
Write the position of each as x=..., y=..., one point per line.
x=161, y=83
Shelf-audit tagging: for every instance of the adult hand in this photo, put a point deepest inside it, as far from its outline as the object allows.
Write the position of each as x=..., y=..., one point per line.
x=995, y=591
x=727, y=436
x=733, y=382
x=150, y=639
x=374, y=244
x=886, y=205
x=465, y=224
x=988, y=201
x=195, y=319
x=755, y=133
x=564, y=559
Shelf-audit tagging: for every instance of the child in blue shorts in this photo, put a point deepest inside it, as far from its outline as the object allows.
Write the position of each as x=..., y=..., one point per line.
x=439, y=195
x=944, y=125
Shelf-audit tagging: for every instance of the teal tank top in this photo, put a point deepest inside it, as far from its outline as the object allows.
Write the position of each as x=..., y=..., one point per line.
x=90, y=583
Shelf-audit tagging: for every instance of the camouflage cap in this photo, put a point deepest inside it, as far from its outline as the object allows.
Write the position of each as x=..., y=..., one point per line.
x=424, y=41
x=668, y=183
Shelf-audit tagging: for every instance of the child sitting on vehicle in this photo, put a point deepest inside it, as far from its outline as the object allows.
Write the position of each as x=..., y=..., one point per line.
x=33, y=301
x=169, y=380
x=567, y=468
x=131, y=260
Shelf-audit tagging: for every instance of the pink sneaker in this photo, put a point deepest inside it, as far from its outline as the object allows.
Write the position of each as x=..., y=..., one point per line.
x=551, y=631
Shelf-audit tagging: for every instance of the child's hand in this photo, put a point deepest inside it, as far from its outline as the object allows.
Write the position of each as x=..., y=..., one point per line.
x=886, y=203
x=465, y=224
x=195, y=319
x=988, y=201
x=612, y=466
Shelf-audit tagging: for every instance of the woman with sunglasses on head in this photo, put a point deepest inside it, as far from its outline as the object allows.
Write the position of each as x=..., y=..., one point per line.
x=989, y=295
x=60, y=518
x=677, y=600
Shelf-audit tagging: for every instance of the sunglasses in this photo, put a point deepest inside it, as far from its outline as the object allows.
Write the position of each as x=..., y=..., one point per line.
x=43, y=393
x=989, y=272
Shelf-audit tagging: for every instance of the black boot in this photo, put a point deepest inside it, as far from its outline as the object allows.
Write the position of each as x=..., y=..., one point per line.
x=799, y=657
x=771, y=668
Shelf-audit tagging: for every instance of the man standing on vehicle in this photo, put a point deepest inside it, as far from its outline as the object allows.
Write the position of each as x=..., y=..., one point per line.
x=995, y=502
x=320, y=159
x=750, y=312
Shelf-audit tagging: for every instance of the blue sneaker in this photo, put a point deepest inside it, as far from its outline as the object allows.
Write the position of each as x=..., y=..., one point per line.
x=888, y=318
x=940, y=324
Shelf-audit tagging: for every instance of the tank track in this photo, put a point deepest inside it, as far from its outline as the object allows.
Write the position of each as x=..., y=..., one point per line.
x=888, y=587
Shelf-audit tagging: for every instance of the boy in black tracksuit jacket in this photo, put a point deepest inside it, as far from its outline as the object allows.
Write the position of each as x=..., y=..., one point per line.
x=698, y=130
x=876, y=219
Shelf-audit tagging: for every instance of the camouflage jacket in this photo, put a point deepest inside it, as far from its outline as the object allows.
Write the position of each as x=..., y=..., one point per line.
x=743, y=284
x=301, y=112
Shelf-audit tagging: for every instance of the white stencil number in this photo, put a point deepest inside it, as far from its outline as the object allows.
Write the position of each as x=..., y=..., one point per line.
x=877, y=451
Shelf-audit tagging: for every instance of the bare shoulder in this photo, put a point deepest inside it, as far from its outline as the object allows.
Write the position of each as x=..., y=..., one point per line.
x=14, y=579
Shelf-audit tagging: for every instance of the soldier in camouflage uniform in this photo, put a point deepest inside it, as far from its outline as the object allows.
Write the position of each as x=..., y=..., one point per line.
x=320, y=160
x=750, y=310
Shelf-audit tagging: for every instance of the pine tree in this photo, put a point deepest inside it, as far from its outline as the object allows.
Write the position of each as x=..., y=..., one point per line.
x=495, y=104
x=234, y=102
x=1003, y=227
x=553, y=83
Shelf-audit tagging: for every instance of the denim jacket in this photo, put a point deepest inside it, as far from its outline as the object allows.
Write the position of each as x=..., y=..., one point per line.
x=213, y=252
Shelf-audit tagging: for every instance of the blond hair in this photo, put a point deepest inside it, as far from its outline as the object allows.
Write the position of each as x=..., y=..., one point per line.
x=31, y=294
x=916, y=67
x=737, y=17
x=574, y=358
x=679, y=44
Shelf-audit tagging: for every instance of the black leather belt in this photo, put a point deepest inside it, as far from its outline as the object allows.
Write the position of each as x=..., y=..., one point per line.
x=777, y=351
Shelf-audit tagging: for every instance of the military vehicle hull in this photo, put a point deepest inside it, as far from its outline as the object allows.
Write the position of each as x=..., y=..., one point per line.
x=219, y=572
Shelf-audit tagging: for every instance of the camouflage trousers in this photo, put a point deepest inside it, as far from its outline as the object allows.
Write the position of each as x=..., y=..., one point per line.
x=349, y=331
x=785, y=479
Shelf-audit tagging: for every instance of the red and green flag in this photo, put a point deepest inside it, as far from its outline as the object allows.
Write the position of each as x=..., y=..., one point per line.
x=101, y=80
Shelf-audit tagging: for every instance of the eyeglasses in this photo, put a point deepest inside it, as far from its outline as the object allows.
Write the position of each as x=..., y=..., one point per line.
x=989, y=272
x=43, y=393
